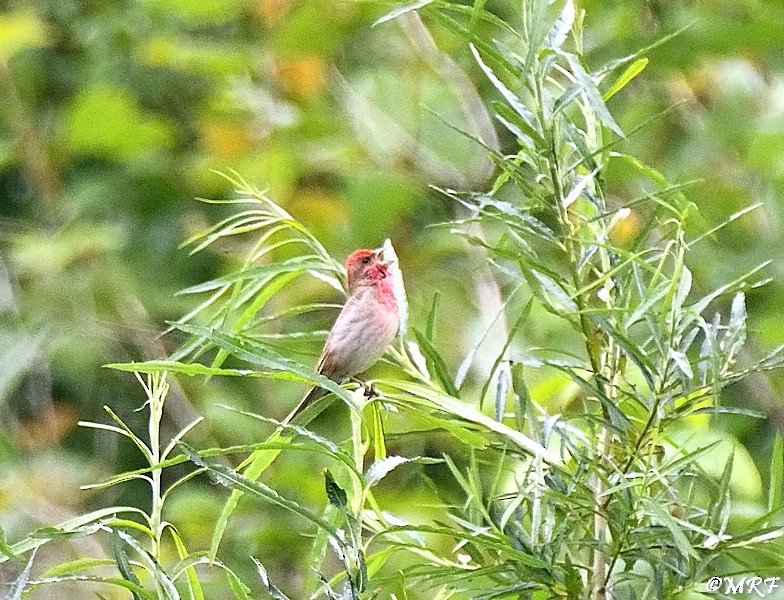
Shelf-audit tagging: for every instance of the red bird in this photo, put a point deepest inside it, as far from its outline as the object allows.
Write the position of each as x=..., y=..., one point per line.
x=366, y=325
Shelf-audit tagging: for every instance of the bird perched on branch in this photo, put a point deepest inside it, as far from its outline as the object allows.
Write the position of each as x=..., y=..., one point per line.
x=366, y=325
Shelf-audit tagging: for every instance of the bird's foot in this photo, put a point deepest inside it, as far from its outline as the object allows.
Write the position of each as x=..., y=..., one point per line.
x=370, y=391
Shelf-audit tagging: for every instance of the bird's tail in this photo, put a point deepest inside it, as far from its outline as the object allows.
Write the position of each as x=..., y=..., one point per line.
x=314, y=394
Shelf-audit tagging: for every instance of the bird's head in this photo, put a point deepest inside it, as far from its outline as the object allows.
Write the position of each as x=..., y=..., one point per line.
x=366, y=267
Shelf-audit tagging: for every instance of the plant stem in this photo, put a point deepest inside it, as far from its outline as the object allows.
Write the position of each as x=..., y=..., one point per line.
x=358, y=450
x=157, y=393
x=595, y=344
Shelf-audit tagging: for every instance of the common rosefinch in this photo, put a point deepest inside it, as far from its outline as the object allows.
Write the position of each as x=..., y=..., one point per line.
x=366, y=325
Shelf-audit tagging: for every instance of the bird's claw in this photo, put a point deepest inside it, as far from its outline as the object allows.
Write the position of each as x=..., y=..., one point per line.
x=368, y=389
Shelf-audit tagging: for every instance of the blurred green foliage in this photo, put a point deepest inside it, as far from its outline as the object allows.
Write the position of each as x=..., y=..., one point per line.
x=114, y=113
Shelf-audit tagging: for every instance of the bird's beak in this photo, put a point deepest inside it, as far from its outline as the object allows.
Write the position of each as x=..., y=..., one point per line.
x=379, y=254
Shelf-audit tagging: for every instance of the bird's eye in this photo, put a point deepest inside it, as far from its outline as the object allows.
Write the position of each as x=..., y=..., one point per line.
x=366, y=260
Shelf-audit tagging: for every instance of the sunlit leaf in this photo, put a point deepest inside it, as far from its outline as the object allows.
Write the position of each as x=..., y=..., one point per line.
x=401, y=10
x=513, y=100
x=272, y=590
x=591, y=93
x=634, y=69
x=557, y=35
x=19, y=585
x=381, y=468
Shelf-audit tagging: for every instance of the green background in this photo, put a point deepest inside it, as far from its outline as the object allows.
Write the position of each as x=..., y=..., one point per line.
x=114, y=115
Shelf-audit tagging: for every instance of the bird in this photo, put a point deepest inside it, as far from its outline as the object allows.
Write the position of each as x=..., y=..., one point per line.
x=366, y=326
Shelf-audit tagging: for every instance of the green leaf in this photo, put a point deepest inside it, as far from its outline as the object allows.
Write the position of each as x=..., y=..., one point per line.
x=513, y=100
x=265, y=272
x=437, y=362
x=6, y=549
x=483, y=537
x=258, y=462
x=239, y=589
x=271, y=589
x=255, y=353
x=379, y=436
x=401, y=10
x=634, y=69
x=653, y=174
x=70, y=526
x=631, y=349
x=557, y=34
x=20, y=583
x=431, y=316
x=776, y=474
x=335, y=494
x=517, y=126
x=477, y=40
x=189, y=369
x=661, y=515
x=521, y=320
x=76, y=566
x=164, y=585
x=233, y=480
x=123, y=562
x=591, y=93
x=361, y=576
x=465, y=412
x=146, y=452
x=536, y=27
x=752, y=538
x=381, y=468
x=735, y=336
x=522, y=400
x=455, y=428
x=477, y=13
x=550, y=292
x=722, y=504
x=194, y=585
x=322, y=444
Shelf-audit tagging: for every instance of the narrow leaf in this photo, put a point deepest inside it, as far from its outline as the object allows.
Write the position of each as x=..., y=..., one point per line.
x=591, y=93
x=680, y=539
x=173, y=366
x=776, y=474
x=255, y=489
x=194, y=585
x=123, y=562
x=20, y=583
x=401, y=10
x=271, y=589
x=634, y=69
x=557, y=34
x=467, y=413
x=299, y=263
x=510, y=97
x=579, y=187
x=437, y=362
x=5, y=547
x=335, y=494
x=431, y=316
x=255, y=353
x=381, y=468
